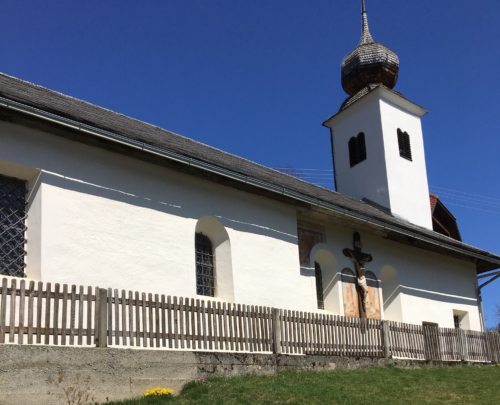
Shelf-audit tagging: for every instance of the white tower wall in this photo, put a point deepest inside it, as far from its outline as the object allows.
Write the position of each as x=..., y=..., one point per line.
x=385, y=177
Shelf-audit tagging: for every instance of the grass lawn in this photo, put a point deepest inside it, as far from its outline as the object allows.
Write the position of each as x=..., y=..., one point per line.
x=456, y=385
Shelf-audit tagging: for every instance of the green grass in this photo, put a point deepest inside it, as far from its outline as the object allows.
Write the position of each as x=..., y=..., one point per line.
x=456, y=385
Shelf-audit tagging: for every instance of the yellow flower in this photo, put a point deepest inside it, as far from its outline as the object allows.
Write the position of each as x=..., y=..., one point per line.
x=158, y=391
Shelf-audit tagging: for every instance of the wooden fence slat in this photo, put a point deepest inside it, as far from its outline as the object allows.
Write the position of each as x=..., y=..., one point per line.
x=144, y=331
x=188, y=312
x=22, y=294
x=157, y=320
x=176, y=322
x=151, y=320
x=225, y=329
x=31, y=295
x=39, y=303
x=181, y=322
x=163, y=322
x=220, y=336
x=199, y=331
x=64, y=315
x=169, y=320
x=80, y=316
x=89, y=315
x=137, y=319
x=47, y=314
x=55, y=319
x=232, y=336
x=193, y=322
x=130, y=318
x=3, y=311
x=124, y=333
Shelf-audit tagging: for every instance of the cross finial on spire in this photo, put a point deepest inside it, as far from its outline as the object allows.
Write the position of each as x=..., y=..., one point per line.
x=366, y=37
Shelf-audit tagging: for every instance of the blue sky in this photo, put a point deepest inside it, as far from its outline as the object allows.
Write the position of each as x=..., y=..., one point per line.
x=258, y=77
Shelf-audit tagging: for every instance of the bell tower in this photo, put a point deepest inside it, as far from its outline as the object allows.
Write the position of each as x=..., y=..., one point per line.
x=377, y=139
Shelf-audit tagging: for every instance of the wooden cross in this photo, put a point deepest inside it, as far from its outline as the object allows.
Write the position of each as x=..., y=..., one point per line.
x=359, y=259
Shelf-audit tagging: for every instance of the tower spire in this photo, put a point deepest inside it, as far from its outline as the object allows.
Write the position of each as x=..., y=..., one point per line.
x=366, y=37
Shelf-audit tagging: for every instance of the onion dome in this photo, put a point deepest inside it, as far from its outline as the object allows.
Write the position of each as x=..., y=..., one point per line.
x=370, y=63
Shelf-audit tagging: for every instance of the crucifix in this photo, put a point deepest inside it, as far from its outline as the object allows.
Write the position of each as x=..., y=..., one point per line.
x=359, y=259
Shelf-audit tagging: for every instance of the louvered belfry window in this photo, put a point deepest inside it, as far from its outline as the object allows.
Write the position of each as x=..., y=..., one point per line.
x=357, y=149
x=404, y=145
x=205, y=266
x=12, y=226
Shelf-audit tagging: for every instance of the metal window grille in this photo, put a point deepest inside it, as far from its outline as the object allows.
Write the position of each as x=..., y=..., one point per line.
x=12, y=226
x=319, y=285
x=205, y=266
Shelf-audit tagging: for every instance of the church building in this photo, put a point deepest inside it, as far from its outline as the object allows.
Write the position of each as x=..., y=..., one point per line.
x=94, y=198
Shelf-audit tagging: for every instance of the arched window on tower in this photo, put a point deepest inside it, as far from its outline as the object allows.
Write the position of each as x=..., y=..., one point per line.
x=357, y=149
x=404, y=145
x=205, y=266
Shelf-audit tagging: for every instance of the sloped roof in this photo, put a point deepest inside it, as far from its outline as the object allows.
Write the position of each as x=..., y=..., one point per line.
x=25, y=97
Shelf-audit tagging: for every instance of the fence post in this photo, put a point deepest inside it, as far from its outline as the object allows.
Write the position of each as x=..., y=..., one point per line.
x=102, y=318
x=276, y=330
x=386, y=351
x=463, y=344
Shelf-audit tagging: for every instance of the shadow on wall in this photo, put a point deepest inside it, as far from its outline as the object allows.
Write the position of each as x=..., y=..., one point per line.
x=168, y=195
x=390, y=284
x=215, y=231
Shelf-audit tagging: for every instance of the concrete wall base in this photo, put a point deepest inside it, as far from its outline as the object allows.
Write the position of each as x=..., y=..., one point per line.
x=42, y=374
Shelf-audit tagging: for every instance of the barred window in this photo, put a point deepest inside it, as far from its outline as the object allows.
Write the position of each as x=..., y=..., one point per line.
x=12, y=226
x=357, y=149
x=404, y=145
x=205, y=266
x=319, y=286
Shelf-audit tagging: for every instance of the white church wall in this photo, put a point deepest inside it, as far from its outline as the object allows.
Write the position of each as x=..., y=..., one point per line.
x=113, y=221
x=407, y=180
x=109, y=220
x=417, y=285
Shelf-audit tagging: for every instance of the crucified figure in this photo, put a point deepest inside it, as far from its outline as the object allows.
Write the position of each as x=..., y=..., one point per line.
x=359, y=259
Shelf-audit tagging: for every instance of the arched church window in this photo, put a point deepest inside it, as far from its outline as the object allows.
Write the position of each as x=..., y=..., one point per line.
x=319, y=285
x=357, y=149
x=205, y=266
x=404, y=144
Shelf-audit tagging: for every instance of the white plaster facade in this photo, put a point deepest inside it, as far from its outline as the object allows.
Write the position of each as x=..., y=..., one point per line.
x=101, y=218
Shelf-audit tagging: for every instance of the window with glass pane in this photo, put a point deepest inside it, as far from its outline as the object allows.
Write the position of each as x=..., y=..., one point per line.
x=205, y=266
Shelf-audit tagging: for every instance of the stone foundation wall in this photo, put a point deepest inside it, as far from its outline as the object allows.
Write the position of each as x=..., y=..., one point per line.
x=41, y=374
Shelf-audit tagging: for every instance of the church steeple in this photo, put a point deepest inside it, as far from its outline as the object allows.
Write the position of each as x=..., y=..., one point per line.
x=366, y=36
x=371, y=63
x=377, y=139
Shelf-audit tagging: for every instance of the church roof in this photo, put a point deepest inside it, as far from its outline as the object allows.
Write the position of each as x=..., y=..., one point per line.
x=109, y=129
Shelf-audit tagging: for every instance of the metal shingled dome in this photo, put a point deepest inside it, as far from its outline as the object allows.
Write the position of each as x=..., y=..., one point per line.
x=369, y=63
